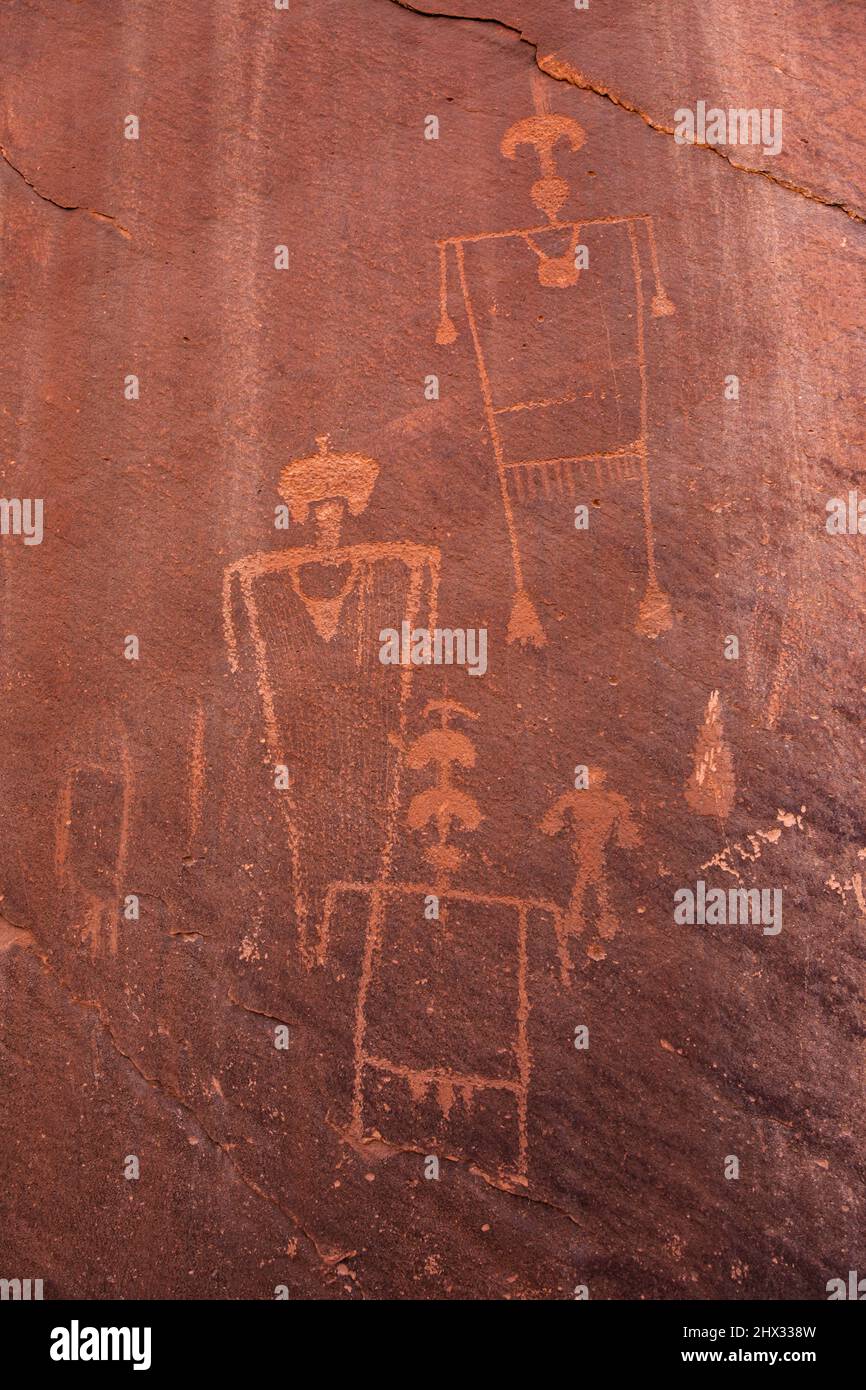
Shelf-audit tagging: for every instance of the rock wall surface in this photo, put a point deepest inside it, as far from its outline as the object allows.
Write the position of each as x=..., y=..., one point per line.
x=357, y=978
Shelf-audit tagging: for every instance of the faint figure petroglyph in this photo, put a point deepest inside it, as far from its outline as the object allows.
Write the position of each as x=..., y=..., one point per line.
x=197, y=771
x=92, y=845
x=594, y=816
x=710, y=789
x=777, y=628
x=854, y=885
x=601, y=409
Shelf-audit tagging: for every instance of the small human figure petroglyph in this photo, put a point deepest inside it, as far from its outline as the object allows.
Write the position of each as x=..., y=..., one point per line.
x=596, y=816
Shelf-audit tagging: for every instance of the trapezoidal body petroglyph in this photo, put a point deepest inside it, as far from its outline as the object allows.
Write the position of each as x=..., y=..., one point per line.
x=332, y=714
x=442, y=1054
x=556, y=316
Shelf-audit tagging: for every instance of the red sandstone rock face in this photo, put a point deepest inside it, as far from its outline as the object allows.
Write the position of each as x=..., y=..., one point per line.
x=282, y=257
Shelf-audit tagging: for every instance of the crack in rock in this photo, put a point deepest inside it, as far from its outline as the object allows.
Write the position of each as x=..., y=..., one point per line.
x=379, y=1148
x=257, y=1013
x=66, y=207
x=563, y=71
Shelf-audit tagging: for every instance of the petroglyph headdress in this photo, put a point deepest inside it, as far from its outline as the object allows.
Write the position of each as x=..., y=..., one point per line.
x=324, y=476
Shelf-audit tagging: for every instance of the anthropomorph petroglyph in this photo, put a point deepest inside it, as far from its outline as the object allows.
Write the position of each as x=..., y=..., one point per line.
x=92, y=847
x=311, y=614
x=594, y=817
x=545, y=425
x=441, y=1038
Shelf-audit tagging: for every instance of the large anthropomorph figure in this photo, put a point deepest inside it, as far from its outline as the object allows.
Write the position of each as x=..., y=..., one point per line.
x=442, y=1056
x=332, y=714
x=555, y=313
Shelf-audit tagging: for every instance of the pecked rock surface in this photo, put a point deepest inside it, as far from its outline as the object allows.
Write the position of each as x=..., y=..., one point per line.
x=333, y=978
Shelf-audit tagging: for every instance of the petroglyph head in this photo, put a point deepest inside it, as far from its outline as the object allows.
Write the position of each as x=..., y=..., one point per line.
x=543, y=132
x=327, y=481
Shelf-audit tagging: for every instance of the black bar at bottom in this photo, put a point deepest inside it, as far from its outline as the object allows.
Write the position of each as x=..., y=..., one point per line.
x=74, y=1338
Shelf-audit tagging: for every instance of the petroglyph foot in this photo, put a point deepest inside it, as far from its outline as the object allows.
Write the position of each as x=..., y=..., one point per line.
x=655, y=614
x=661, y=305
x=524, y=624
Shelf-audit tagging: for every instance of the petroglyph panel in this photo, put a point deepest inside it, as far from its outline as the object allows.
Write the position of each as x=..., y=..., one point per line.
x=421, y=977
